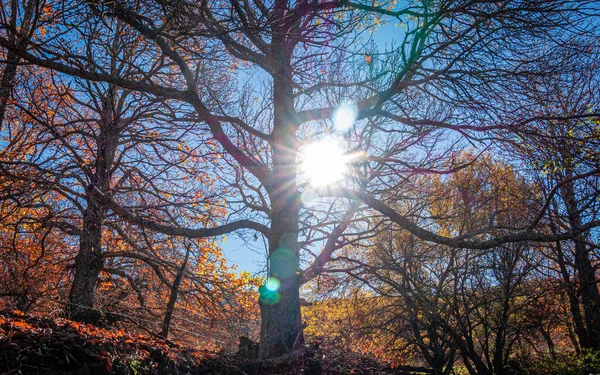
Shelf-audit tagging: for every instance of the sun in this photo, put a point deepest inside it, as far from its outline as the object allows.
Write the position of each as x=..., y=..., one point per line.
x=323, y=162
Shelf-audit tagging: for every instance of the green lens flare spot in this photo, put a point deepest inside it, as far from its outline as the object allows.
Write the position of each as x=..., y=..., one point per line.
x=267, y=296
x=272, y=285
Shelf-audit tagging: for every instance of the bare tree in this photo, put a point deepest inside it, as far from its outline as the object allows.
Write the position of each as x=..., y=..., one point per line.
x=84, y=138
x=563, y=155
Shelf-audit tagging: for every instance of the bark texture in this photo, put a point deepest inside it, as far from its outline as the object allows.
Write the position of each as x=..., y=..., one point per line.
x=88, y=264
x=586, y=274
x=173, y=296
x=90, y=259
x=281, y=323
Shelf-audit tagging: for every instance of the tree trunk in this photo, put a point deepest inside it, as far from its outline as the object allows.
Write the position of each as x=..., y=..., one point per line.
x=173, y=297
x=281, y=324
x=471, y=356
x=571, y=330
x=579, y=326
x=9, y=77
x=281, y=321
x=500, y=341
x=9, y=74
x=88, y=264
x=90, y=258
x=546, y=335
x=586, y=273
x=590, y=299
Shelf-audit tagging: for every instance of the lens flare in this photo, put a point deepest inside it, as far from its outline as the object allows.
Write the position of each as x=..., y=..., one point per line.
x=344, y=116
x=272, y=285
x=324, y=162
x=267, y=295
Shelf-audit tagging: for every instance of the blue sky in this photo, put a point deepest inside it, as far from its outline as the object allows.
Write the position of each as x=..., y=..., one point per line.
x=247, y=258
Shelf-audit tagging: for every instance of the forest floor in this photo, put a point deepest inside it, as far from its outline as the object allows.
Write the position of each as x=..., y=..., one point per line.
x=39, y=345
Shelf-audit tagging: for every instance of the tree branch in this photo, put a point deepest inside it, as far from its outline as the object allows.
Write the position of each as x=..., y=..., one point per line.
x=172, y=230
